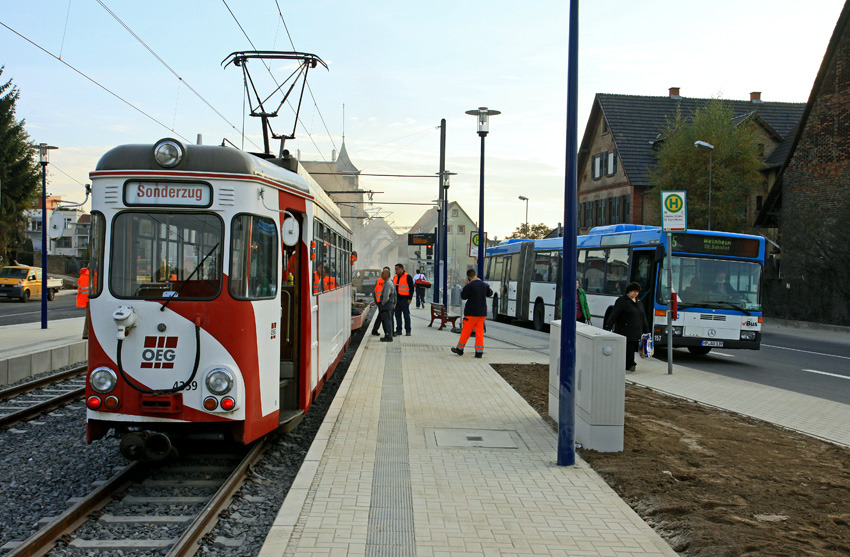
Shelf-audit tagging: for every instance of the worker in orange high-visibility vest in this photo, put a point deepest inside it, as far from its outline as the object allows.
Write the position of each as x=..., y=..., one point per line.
x=83, y=297
x=83, y=288
x=379, y=287
x=404, y=294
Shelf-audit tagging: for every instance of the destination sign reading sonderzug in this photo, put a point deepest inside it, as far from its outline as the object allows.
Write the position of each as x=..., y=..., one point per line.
x=171, y=194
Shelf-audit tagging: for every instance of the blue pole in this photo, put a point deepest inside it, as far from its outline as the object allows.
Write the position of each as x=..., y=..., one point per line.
x=43, y=244
x=566, y=396
x=438, y=240
x=481, y=212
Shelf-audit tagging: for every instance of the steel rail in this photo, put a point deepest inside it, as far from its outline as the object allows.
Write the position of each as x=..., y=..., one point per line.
x=43, y=541
x=40, y=407
x=42, y=382
x=187, y=544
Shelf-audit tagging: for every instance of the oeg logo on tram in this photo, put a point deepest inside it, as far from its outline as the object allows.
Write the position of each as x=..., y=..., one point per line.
x=159, y=352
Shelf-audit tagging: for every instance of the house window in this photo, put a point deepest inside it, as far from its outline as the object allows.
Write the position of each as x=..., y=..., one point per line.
x=588, y=214
x=614, y=210
x=604, y=126
x=625, y=208
x=597, y=166
x=461, y=229
x=611, y=167
x=448, y=229
x=600, y=212
x=454, y=212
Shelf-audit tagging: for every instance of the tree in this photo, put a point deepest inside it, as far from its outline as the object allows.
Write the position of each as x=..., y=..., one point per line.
x=734, y=169
x=19, y=172
x=535, y=231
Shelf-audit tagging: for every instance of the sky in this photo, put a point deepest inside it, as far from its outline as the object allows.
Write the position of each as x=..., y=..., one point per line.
x=398, y=68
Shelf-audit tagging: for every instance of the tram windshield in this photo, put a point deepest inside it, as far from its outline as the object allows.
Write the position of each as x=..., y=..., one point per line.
x=715, y=283
x=166, y=255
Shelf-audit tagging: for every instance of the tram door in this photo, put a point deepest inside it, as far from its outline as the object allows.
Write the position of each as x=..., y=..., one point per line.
x=290, y=304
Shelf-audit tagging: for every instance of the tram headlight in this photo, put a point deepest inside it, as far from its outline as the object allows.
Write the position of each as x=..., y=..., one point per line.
x=168, y=153
x=103, y=380
x=219, y=381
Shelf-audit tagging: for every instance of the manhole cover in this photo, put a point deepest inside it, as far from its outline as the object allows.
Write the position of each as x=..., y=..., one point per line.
x=476, y=438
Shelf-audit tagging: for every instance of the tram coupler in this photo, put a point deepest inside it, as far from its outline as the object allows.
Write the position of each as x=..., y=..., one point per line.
x=145, y=446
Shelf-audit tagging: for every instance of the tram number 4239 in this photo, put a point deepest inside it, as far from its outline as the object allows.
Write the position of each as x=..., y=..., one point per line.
x=193, y=386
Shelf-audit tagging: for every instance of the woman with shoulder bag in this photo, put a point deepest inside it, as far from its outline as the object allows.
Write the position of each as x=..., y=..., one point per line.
x=627, y=318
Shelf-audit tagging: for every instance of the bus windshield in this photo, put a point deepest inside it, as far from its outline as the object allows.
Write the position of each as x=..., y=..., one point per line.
x=715, y=283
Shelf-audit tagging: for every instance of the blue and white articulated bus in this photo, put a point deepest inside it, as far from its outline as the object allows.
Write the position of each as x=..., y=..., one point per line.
x=716, y=275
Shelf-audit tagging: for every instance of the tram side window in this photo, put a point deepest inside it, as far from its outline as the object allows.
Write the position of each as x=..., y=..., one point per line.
x=157, y=255
x=97, y=234
x=253, y=258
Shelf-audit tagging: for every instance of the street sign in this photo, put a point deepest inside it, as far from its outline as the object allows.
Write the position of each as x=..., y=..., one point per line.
x=674, y=212
x=473, y=244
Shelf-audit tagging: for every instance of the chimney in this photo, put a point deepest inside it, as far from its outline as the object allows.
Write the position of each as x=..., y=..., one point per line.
x=333, y=155
x=674, y=93
x=755, y=97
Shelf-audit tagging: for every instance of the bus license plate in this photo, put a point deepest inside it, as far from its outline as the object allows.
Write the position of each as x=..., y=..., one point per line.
x=717, y=343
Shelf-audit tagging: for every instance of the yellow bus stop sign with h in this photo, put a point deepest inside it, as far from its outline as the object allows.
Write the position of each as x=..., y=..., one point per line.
x=674, y=213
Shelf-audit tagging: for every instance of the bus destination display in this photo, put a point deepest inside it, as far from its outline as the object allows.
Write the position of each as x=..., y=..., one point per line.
x=715, y=245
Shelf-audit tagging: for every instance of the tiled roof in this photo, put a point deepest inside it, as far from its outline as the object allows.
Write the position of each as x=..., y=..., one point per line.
x=635, y=121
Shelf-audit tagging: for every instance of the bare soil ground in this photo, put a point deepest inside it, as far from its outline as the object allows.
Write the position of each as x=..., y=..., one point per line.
x=712, y=482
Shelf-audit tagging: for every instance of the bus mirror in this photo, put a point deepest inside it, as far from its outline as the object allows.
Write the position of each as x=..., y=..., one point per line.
x=659, y=254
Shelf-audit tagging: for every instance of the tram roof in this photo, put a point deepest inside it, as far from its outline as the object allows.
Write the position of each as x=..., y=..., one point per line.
x=202, y=158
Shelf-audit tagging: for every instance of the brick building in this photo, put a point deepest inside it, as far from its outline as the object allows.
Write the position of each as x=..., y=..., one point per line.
x=617, y=150
x=809, y=202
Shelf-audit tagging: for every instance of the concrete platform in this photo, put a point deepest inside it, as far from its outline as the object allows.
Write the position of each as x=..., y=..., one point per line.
x=27, y=349
x=427, y=453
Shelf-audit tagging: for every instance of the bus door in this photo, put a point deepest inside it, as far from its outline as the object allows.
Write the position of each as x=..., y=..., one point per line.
x=288, y=329
x=523, y=283
x=505, y=284
x=643, y=273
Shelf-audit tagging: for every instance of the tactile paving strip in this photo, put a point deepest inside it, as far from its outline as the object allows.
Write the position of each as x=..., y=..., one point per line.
x=390, y=529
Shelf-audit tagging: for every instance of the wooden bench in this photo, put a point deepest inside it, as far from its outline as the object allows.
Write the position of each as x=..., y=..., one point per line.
x=438, y=311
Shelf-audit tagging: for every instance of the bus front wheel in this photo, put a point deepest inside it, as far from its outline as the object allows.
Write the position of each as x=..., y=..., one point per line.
x=699, y=350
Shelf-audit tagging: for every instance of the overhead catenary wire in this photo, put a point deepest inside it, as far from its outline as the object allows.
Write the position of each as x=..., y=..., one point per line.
x=180, y=79
x=80, y=72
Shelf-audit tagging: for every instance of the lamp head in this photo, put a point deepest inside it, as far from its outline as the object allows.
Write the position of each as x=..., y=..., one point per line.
x=703, y=145
x=483, y=114
x=524, y=198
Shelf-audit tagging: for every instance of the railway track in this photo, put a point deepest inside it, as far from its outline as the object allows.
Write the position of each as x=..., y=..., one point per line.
x=30, y=399
x=143, y=508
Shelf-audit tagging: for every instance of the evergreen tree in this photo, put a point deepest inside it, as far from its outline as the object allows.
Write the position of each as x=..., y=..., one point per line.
x=19, y=171
x=735, y=167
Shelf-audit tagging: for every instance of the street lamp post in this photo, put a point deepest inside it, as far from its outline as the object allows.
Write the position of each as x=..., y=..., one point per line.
x=710, y=147
x=483, y=115
x=524, y=198
x=43, y=148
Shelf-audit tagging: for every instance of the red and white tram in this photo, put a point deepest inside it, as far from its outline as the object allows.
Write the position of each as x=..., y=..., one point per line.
x=220, y=295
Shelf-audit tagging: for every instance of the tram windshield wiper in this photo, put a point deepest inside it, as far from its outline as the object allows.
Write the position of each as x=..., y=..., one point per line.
x=179, y=288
